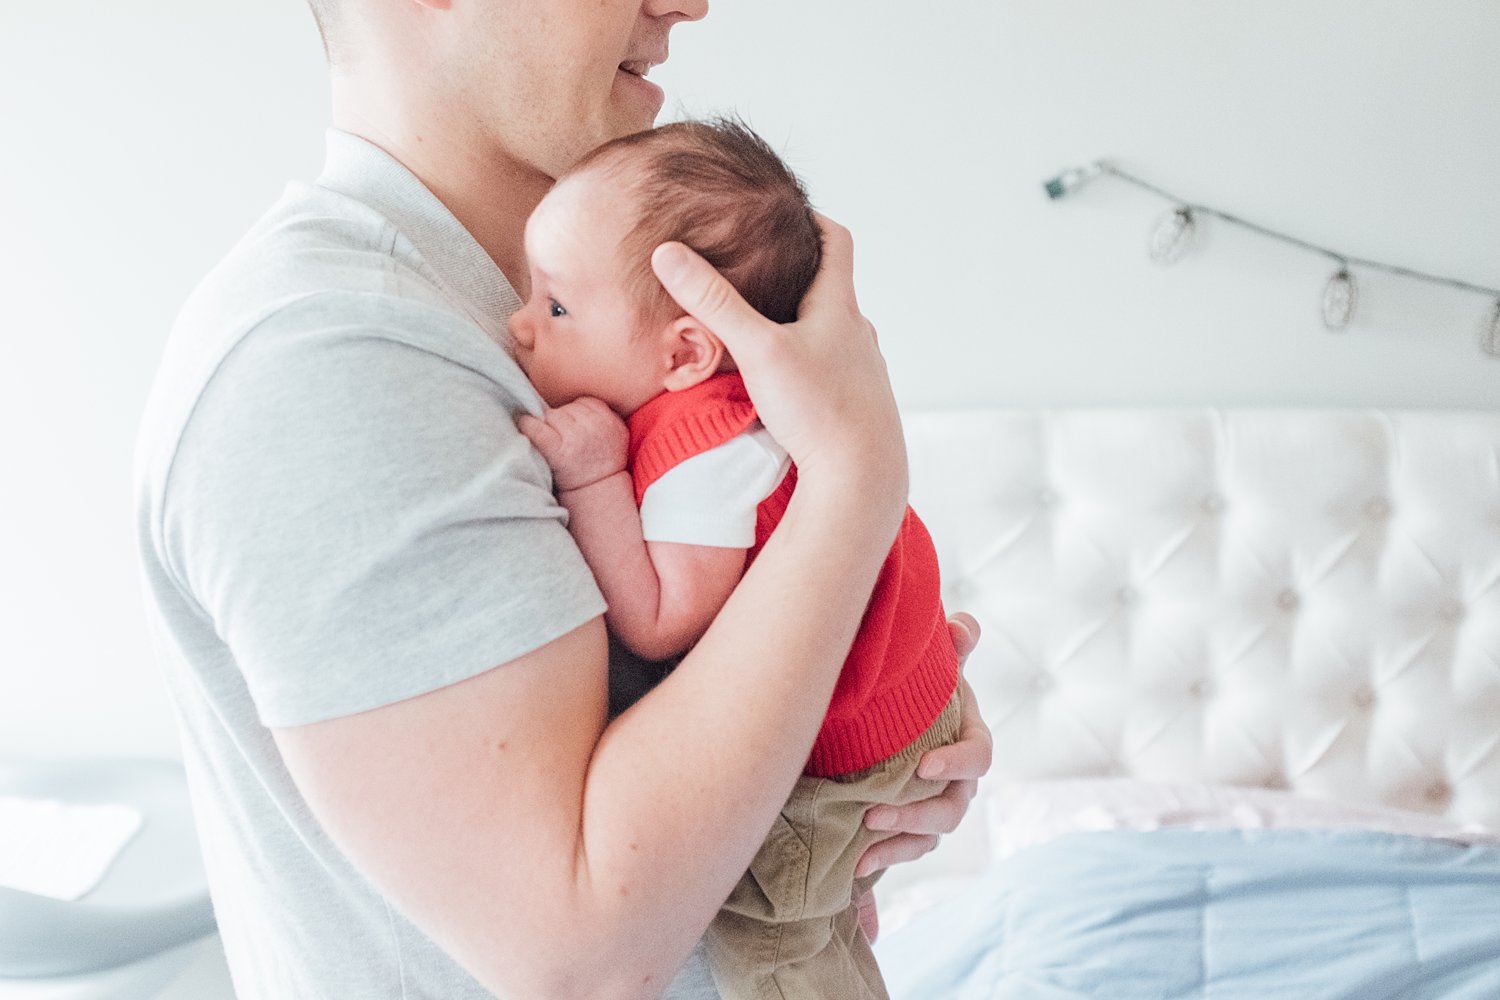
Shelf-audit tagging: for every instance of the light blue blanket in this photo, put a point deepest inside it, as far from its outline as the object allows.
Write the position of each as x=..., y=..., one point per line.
x=1223, y=915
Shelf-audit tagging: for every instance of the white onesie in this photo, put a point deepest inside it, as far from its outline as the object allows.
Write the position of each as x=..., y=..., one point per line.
x=710, y=499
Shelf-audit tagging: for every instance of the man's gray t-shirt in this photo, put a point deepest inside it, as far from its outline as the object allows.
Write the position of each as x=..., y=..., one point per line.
x=335, y=512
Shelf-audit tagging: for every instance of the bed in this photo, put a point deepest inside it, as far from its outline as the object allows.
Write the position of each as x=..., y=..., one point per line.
x=1243, y=672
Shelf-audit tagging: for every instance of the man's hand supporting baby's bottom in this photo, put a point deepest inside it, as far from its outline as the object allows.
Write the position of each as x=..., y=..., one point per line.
x=917, y=827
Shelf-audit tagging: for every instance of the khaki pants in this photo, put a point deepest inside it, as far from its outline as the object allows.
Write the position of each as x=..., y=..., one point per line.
x=790, y=930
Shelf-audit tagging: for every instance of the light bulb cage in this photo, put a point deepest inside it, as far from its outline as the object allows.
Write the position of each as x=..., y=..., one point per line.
x=1340, y=300
x=1173, y=235
x=1489, y=338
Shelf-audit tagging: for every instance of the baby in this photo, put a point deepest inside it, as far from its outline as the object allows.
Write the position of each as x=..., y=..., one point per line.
x=605, y=346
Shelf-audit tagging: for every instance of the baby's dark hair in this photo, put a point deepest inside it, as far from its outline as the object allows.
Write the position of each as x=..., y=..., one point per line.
x=721, y=189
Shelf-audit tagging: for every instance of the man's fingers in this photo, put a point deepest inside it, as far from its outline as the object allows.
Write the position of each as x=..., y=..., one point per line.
x=968, y=757
x=895, y=850
x=965, y=631
x=939, y=814
x=706, y=294
x=835, y=278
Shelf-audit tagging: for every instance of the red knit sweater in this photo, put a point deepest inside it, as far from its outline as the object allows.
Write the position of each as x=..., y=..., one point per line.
x=902, y=668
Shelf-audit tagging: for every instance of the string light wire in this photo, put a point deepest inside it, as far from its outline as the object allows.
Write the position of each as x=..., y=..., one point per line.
x=1071, y=180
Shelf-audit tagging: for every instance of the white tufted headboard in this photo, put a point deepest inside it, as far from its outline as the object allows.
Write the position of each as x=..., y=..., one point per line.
x=1303, y=599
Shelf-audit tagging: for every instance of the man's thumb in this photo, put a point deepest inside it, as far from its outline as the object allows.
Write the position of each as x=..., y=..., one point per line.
x=704, y=293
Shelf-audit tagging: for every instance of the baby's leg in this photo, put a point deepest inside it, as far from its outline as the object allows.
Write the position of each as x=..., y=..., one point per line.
x=790, y=930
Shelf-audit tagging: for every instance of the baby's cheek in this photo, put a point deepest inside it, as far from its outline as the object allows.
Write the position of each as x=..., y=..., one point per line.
x=556, y=389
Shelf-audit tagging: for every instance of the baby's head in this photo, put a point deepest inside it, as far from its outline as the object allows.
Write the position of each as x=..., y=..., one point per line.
x=597, y=322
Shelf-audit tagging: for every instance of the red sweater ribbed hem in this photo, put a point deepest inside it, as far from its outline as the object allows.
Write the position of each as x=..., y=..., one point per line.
x=892, y=720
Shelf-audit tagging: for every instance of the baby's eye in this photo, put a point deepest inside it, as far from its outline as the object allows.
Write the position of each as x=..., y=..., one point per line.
x=555, y=309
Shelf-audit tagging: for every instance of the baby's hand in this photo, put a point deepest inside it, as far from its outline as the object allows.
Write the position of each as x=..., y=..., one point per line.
x=583, y=441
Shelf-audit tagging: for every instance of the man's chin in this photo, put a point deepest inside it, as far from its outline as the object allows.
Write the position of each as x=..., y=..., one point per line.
x=638, y=100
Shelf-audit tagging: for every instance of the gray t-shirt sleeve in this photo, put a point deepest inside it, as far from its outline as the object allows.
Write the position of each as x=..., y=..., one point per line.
x=353, y=509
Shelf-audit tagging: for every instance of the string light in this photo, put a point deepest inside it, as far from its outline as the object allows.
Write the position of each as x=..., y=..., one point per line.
x=1173, y=234
x=1490, y=338
x=1340, y=297
x=1071, y=180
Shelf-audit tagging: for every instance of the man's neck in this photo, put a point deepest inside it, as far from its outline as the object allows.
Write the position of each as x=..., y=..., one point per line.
x=490, y=193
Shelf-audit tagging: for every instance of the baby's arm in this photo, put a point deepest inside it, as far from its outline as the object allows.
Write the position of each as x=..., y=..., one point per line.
x=662, y=596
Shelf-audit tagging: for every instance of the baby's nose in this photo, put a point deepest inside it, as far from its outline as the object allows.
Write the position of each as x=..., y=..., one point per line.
x=520, y=329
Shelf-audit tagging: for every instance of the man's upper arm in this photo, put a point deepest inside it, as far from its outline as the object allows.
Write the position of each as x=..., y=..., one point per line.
x=361, y=521
x=464, y=805
x=354, y=510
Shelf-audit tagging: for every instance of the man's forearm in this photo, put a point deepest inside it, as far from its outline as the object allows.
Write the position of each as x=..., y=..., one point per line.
x=696, y=771
x=556, y=855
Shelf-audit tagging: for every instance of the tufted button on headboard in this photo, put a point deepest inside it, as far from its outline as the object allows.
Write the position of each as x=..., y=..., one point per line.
x=1301, y=599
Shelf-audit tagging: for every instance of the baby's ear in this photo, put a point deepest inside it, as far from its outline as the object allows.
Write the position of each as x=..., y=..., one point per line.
x=692, y=354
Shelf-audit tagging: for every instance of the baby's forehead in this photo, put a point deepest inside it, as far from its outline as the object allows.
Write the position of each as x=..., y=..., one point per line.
x=588, y=201
x=581, y=240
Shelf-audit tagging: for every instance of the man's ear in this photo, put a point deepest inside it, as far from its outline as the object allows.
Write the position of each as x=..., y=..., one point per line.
x=692, y=354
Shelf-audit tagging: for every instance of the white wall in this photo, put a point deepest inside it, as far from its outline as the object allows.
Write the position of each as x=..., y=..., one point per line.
x=140, y=140
x=1371, y=126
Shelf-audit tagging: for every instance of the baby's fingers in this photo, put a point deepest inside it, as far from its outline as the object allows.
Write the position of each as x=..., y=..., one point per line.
x=528, y=425
x=540, y=433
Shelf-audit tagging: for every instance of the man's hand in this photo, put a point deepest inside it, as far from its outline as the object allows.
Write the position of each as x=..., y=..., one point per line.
x=962, y=763
x=820, y=385
x=584, y=442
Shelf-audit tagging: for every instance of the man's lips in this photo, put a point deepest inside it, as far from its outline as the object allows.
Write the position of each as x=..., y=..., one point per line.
x=637, y=67
x=644, y=55
x=633, y=73
x=643, y=60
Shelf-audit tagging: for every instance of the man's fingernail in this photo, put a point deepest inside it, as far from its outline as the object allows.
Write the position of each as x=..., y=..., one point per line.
x=880, y=818
x=863, y=868
x=932, y=769
x=669, y=260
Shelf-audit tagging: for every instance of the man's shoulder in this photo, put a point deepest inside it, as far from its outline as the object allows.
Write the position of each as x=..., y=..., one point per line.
x=323, y=264
x=315, y=245
x=321, y=280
